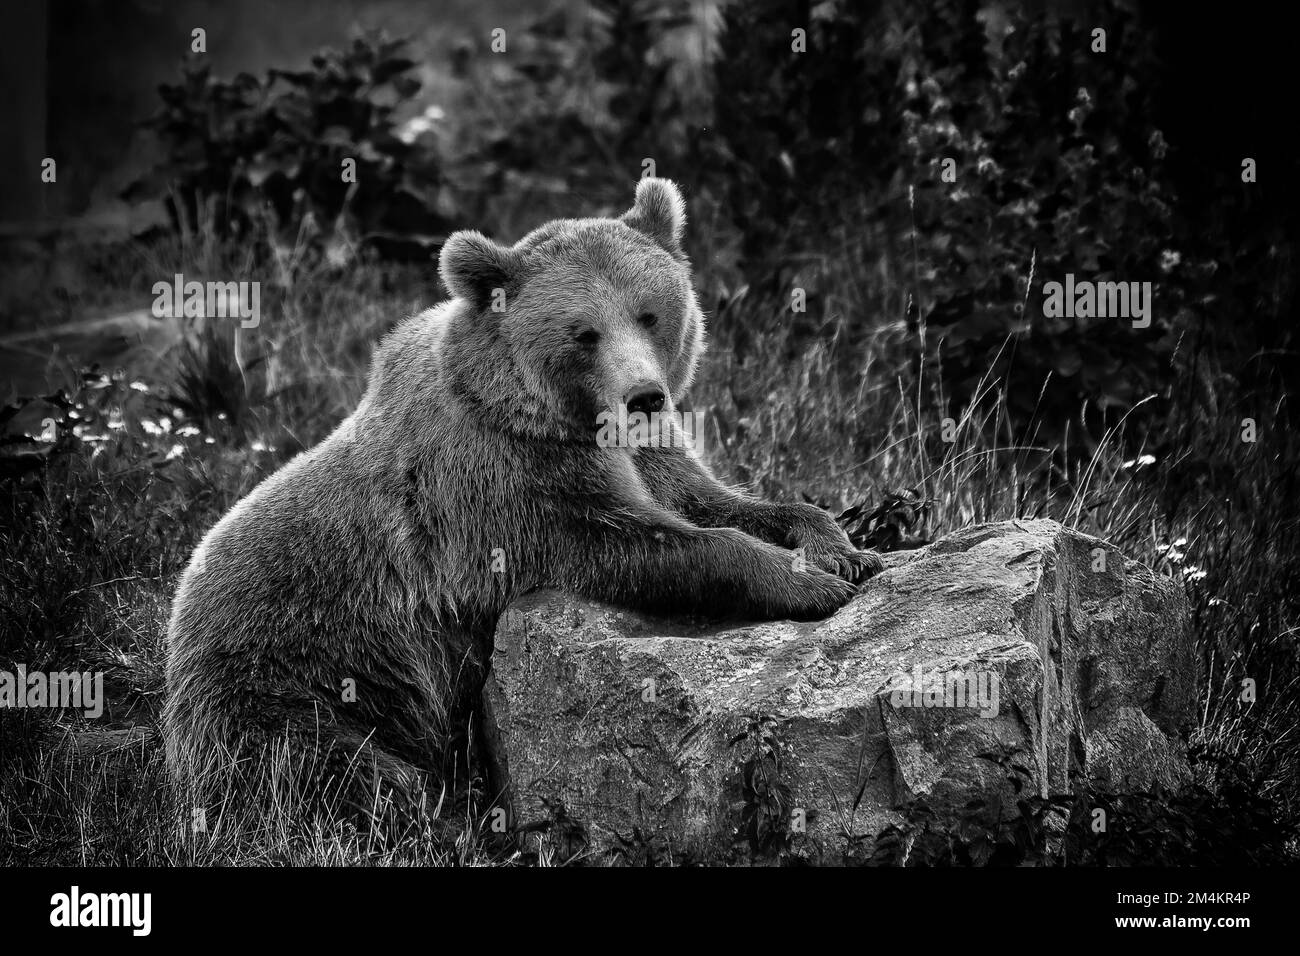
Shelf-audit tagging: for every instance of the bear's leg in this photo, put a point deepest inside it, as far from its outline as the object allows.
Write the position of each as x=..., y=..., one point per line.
x=681, y=483
x=367, y=778
x=640, y=556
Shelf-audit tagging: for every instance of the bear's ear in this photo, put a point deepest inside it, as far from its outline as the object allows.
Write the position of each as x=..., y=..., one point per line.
x=659, y=212
x=472, y=265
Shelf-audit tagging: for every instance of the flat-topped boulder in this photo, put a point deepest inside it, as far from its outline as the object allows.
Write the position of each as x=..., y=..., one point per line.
x=1023, y=642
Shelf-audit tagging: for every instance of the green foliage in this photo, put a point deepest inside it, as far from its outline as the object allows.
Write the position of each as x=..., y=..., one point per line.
x=840, y=152
x=766, y=800
x=579, y=102
x=573, y=110
x=108, y=488
x=794, y=135
x=1226, y=824
x=891, y=524
x=837, y=156
x=275, y=148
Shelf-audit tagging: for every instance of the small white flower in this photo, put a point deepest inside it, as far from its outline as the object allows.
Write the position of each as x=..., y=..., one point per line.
x=1142, y=461
x=417, y=126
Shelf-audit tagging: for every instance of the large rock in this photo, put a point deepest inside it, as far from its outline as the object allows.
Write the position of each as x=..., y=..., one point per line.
x=612, y=731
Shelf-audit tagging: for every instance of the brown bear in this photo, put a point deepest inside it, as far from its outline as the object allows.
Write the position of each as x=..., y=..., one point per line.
x=345, y=607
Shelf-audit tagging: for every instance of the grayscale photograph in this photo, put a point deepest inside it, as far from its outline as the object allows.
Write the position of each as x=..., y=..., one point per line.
x=689, y=434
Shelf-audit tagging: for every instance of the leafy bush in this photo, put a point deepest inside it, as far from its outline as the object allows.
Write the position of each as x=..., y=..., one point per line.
x=572, y=110
x=272, y=151
x=839, y=153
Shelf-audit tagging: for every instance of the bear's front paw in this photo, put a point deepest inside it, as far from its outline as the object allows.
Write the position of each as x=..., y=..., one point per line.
x=816, y=595
x=847, y=562
x=824, y=543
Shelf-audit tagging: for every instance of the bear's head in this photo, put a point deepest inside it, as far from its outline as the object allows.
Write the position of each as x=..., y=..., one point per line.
x=579, y=317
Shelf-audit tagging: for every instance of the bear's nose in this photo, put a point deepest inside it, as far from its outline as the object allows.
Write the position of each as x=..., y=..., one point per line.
x=647, y=400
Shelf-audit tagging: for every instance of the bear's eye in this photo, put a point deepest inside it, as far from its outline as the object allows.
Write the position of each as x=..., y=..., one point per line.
x=587, y=337
x=648, y=319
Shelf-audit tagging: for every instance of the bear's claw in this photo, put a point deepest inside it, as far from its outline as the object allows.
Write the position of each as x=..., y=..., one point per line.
x=852, y=565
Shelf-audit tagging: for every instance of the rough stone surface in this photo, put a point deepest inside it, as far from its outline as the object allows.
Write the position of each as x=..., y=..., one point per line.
x=612, y=732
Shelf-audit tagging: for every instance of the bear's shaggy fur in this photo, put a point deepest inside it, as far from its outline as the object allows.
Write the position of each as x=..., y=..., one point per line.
x=345, y=607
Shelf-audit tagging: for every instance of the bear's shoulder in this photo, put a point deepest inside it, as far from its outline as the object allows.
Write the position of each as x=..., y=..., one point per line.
x=412, y=349
x=420, y=332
